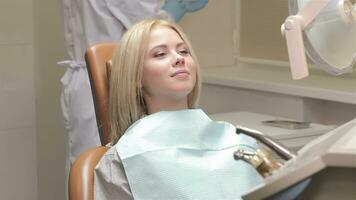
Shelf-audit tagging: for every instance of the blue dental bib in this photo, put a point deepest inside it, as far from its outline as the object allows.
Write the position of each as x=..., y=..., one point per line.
x=185, y=155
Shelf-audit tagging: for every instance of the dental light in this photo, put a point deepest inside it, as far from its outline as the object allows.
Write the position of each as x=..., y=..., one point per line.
x=326, y=29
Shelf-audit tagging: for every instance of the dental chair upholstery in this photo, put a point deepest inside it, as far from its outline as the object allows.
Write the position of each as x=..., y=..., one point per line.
x=96, y=58
x=81, y=177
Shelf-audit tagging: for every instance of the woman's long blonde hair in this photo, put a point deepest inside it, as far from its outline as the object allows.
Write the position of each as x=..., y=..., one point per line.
x=126, y=103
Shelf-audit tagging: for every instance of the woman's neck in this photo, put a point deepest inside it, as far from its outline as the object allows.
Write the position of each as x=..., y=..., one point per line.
x=163, y=104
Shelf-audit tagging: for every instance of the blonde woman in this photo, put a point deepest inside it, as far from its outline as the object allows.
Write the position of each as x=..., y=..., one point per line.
x=164, y=148
x=132, y=70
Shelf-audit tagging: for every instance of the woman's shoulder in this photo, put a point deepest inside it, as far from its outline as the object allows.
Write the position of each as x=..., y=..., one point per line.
x=109, y=161
x=110, y=181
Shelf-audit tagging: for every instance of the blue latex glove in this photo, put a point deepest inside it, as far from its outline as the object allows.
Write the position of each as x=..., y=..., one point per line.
x=177, y=8
x=194, y=5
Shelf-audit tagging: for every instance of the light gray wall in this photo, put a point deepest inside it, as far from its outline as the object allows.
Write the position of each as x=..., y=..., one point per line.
x=18, y=168
x=212, y=32
x=50, y=134
x=31, y=134
x=227, y=29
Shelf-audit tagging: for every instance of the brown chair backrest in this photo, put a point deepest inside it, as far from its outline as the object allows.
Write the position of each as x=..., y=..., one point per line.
x=81, y=177
x=96, y=58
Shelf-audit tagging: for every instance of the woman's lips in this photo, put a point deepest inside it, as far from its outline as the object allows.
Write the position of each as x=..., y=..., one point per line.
x=182, y=72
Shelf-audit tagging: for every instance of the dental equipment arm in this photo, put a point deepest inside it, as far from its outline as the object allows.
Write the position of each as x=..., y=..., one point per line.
x=262, y=160
x=281, y=150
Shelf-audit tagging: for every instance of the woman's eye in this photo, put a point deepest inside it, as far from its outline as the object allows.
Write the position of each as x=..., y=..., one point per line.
x=183, y=51
x=159, y=54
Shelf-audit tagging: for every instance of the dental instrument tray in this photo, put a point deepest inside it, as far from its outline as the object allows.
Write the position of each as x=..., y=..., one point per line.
x=289, y=124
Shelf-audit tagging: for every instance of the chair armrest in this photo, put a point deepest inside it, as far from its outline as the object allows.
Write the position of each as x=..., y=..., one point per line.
x=81, y=177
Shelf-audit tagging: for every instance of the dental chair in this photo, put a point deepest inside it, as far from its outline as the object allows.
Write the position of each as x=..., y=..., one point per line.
x=97, y=58
x=81, y=177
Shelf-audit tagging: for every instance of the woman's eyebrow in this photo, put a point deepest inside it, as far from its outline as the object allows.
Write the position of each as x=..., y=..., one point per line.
x=160, y=46
x=181, y=44
x=153, y=50
x=164, y=46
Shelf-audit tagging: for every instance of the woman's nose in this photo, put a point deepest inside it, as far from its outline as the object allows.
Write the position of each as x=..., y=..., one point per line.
x=179, y=60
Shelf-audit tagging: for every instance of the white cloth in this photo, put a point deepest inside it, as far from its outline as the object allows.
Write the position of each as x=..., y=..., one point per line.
x=185, y=155
x=88, y=22
x=195, y=161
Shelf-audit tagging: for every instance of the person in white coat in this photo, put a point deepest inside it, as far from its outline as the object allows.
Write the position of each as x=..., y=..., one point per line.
x=88, y=22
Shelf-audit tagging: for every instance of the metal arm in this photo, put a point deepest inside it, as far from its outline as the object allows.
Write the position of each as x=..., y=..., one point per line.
x=277, y=147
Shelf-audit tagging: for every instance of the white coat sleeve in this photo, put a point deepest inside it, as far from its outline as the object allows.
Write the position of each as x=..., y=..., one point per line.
x=128, y=12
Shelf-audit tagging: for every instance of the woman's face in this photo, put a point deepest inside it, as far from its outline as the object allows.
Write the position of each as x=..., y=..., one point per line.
x=169, y=71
